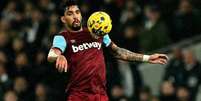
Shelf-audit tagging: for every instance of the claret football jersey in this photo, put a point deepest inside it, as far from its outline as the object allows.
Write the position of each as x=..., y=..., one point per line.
x=86, y=65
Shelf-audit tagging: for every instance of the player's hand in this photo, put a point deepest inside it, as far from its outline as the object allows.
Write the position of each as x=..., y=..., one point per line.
x=61, y=64
x=158, y=59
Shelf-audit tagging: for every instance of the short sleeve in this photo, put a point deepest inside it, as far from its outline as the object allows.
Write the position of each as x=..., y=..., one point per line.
x=106, y=40
x=59, y=42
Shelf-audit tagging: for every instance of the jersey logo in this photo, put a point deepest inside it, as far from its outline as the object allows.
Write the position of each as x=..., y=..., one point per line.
x=72, y=41
x=85, y=46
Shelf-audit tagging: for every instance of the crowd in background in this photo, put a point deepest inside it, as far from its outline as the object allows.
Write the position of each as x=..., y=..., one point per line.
x=28, y=26
x=180, y=81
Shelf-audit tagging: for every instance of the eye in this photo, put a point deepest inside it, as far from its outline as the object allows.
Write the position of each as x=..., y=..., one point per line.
x=69, y=13
x=78, y=12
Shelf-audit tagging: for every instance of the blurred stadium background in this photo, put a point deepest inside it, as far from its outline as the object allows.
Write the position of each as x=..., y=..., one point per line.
x=144, y=26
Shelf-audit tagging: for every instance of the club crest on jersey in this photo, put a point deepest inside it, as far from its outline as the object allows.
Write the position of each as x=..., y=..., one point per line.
x=86, y=46
x=72, y=41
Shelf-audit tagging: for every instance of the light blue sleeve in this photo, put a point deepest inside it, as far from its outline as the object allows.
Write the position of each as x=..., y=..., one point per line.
x=59, y=42
x=106, y=40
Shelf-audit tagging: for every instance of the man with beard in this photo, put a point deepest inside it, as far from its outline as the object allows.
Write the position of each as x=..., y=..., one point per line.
x=77, y=50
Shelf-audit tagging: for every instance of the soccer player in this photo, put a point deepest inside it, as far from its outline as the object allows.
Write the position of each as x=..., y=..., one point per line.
x=79, y=52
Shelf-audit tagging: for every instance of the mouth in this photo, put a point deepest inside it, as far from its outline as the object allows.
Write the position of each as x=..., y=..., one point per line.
x=76, y=25
x=76, y=21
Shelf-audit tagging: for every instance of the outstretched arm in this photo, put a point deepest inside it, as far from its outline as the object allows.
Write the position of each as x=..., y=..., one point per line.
x=127, y=55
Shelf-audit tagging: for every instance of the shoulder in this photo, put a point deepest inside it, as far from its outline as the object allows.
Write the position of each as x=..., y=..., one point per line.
x=63, y=32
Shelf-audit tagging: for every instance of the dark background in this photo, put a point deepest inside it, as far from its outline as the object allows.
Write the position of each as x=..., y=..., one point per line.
x=28, y=26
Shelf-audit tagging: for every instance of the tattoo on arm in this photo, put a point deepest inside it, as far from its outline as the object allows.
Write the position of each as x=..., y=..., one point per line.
x=125, y=54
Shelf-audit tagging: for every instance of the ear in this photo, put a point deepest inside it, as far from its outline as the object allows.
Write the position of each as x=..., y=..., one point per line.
x=63, y=19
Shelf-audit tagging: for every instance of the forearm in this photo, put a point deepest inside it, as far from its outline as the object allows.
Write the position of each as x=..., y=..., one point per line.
x=127, y=55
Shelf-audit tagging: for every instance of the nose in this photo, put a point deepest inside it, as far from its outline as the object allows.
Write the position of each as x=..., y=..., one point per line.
x=74, y=16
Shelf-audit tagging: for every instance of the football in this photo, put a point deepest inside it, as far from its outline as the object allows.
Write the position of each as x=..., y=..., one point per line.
x=99, y=23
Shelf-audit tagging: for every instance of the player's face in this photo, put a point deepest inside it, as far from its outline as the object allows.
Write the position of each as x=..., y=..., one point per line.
x=72, y=18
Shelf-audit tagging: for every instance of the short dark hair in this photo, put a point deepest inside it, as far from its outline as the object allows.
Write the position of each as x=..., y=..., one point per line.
x=64, y=6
